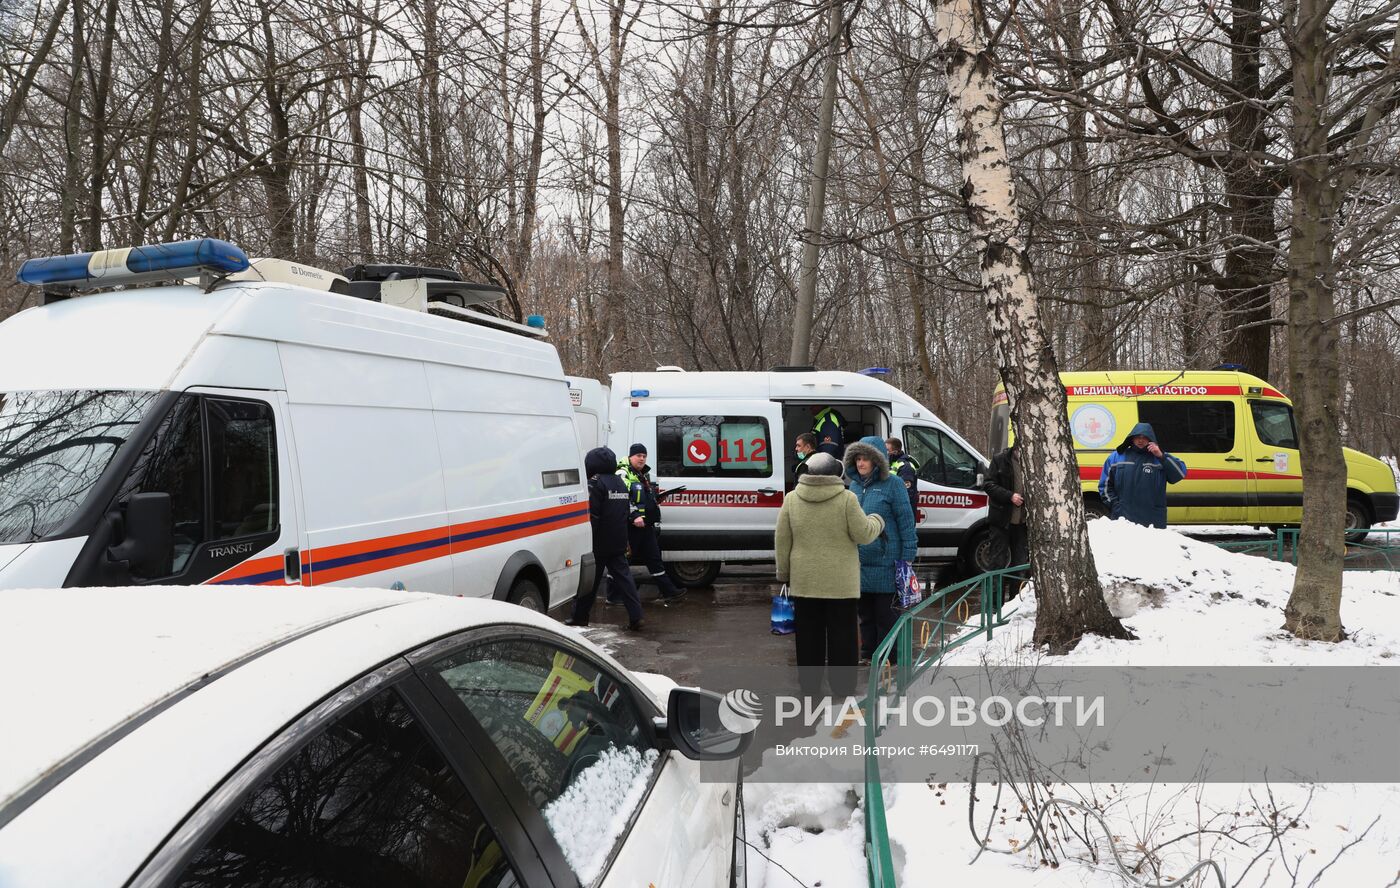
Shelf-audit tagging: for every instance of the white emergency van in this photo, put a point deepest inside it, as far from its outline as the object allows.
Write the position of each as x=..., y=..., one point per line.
x=729, y=439
x=281, y=425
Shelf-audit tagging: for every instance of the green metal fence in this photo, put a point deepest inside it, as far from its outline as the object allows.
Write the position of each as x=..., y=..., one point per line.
x=947, y=619
x=954, y=616
x=1377, y=549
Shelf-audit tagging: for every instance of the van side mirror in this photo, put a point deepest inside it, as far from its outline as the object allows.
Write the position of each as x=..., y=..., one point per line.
x=149, y=542
x=695, y=726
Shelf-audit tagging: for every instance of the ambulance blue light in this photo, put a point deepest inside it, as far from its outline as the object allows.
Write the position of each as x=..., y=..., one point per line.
x=641, y=393
x=874, y=371
x=135, y=265
x=535, y=321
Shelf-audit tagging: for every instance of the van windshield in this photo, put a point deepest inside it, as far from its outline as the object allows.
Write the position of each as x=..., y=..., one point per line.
x=54, y=445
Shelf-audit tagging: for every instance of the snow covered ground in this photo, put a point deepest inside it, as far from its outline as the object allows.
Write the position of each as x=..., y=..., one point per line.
x=1190, y=604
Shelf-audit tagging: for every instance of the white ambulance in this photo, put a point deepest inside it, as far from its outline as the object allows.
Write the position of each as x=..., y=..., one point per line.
x=280, y=425
x=729, y=439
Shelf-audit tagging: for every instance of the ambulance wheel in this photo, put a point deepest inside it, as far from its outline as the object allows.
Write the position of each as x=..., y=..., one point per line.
x=694, y=574
x=1094, y=508
x=1358, y=519
x=987, y=551
x=526, y=593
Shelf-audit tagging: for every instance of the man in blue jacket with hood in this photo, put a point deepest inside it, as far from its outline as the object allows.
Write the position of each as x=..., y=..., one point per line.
x=1134, y=481
x=609, y=506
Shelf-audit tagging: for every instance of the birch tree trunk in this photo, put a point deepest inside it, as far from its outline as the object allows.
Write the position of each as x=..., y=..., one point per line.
x=1314, y=608
x=1067, y=585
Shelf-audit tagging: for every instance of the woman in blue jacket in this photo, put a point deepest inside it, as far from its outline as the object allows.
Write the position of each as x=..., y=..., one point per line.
x=880, y=493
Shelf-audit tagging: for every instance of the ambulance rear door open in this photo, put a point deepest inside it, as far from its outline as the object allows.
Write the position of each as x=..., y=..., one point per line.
x=730, y=458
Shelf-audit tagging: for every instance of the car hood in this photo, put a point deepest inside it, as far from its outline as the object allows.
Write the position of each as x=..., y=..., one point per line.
x=657, y=685
x=10, y=552
x=1369, y=471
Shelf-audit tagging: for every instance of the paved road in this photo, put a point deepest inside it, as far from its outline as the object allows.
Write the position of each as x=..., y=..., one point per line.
x=727, y=625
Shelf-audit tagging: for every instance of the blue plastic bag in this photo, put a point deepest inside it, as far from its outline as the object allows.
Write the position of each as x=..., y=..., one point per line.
x=907, y=585
x=782, y=617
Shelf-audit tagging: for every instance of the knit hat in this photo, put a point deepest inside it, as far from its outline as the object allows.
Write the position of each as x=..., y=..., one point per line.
x=823, y=464
x=636, y=449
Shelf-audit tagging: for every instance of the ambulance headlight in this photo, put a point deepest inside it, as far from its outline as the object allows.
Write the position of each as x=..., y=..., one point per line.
x=131, y=265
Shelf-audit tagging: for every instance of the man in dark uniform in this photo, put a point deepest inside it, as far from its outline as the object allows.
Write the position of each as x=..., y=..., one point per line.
x=607, y=513
x=907, y=468
x=830, y=428
x=1006, y=511
x=644, y=519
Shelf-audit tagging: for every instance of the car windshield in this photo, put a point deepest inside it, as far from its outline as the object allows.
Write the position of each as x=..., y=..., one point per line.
x=54, y=445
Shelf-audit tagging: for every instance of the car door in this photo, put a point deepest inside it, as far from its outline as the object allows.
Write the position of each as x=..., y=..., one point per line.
x=571, y=743
x=1276, y=472
x=221, y=458
x=949, y=503
x=373, y=786
x=723, y=453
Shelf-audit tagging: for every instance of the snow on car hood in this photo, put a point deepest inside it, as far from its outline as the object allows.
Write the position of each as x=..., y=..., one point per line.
x=657, y=685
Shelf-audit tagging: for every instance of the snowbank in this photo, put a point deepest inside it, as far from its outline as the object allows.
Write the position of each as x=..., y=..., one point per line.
x=1190, y=604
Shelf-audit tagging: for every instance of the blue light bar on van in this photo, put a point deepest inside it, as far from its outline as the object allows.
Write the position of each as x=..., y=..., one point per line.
x=641, y=393
x=134, y=265
x=874, y=371
x=535, y=321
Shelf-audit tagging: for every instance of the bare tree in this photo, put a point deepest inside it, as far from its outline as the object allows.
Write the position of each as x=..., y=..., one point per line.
x=1068, y=592
x=1335, y=141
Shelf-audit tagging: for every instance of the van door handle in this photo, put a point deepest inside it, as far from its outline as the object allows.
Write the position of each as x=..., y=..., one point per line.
x=1234, y=459
x=291, y=565
x=1265, y=459
x=767, y=491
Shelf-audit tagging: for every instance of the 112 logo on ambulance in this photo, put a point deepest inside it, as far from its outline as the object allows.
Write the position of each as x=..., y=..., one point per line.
x=739, y=444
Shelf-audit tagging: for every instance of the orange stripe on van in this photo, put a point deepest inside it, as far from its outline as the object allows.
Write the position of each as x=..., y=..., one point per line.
x=250, y=568
x=321, y=576
x=345, y=561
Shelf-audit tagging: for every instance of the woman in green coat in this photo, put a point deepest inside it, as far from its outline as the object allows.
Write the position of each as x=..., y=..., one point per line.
x=819, y=529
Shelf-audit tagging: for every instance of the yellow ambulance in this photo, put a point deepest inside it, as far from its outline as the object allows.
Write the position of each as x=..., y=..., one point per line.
x=1235, y=432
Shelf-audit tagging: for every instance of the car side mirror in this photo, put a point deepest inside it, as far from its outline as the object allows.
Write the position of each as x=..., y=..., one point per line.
x=695, y=724
x=149, y=542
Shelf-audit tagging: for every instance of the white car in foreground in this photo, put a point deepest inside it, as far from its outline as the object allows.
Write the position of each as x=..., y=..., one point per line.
x=209, y=736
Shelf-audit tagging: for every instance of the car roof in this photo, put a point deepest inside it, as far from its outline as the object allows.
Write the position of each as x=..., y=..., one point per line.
x=142, y=339
x=84, y=663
